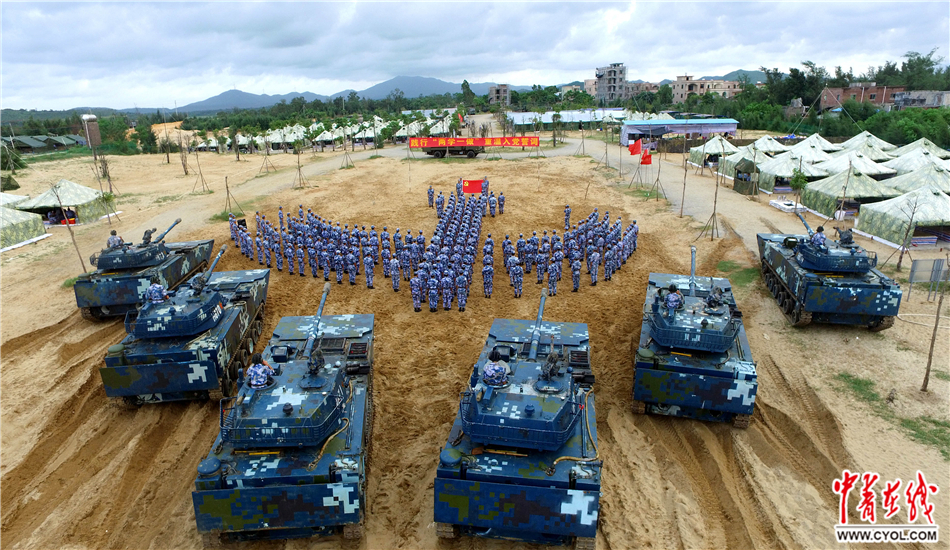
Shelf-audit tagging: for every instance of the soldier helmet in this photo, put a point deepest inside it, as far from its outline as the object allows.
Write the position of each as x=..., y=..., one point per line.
x=534, y=232
x=384, y=228
x=301, y=206
x=821, y=229
x=567, y=206
x=489, y=234
x=521, y=234
x=372, y=227
x=634, y=221
x=112, y=232
x=280, y=207
x=506, y=235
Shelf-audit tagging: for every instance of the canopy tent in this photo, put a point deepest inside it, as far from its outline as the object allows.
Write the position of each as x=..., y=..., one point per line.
x=930, y=174
x=818, y=141
x=9, y=199
x=851, y=186
x=714, y=147
x=918, y=158
x=868, y=137
x=927, y=208
x=17, y=227
x=86, y=202
x=412, y=129
x=729, y=165
x=633, y=130
x=868, y=149
x=809, y=153
x=774, y=174
x=858, y=163
x=440, y=128
x=768, y=144
x=922, y=143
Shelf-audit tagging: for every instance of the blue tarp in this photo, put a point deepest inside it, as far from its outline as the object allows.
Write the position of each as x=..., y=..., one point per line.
x=705, y=126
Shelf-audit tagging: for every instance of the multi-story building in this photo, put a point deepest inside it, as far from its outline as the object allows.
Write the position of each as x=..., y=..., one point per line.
x=499, y=94
x=634, y=88
x=860, y=92
x=921, y=99
x=611, y=82
x=590, y=86
x=685, y=86
x=571, y=88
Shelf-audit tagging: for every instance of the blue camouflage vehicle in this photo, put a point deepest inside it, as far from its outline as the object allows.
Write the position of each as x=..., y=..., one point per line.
x=694, y=361
x=291, y=458
x=125, y=272
x=521, y=462
x=194, y=344
x=833, y=283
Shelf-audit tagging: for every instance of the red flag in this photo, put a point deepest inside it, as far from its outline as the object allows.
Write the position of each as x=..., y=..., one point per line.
x=472, y=186
x=647, y=158
x=635, y=147
x=461, y=120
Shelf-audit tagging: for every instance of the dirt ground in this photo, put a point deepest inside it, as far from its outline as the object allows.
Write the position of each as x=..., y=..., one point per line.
x=78, y=473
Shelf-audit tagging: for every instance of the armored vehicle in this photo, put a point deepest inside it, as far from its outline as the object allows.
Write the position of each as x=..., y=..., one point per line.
x=193, y=344
x=521, y=461
x=833, y=283
x=290, y=460
x=125, y=272
x=693, y=361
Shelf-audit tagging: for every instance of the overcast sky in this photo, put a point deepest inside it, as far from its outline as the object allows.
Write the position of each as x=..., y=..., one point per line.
x=120, y=55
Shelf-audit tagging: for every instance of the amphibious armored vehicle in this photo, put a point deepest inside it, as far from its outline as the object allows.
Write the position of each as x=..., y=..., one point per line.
x=125, y=272
x=290, y=460
x=833, y=283
x=521, y=461
x=193, y=344
x=694, y=361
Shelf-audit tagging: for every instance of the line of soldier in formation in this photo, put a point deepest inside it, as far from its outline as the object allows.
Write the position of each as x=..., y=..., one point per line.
x=444, y=268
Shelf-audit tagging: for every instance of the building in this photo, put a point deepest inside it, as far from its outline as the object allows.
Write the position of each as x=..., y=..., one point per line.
x=921, y=99
x=499, y=94
x=611, y=82
x=590, y=86
x=685, y=86
x=634, y=88
x=860, y=92
x=571, y=88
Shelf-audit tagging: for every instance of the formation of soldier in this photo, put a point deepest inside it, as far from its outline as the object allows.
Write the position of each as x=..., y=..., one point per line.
x=440, y=271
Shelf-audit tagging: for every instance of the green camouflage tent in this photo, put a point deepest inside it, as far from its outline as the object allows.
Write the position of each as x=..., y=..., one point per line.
x=926, y=207
x=857, y=162
x=9, y=199
x=727, y=166
x=922, y=143
x=17, y=227
x=866, y=148
x=931, y=174
x=87, y=203
x=851, y=185
x=868, y=137
x=915, y=159
x=783, y=167
x=808, y=152
x=714, y=146
x=768, y=144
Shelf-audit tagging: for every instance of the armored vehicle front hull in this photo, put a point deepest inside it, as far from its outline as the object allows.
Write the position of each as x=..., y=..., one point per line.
x=151, y=370
x=867, y=298
x=262, y=480
x=693, y=379
x=110, y=293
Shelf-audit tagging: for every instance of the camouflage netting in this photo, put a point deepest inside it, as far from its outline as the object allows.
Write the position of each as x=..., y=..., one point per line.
x=714, y=146
x=931, y=174
x=17, y=226
x=823, y=195
x=87, y=203
x=784, y=166
x=888, y=219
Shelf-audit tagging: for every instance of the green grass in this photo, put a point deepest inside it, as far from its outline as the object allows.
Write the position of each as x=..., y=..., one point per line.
x=168, y=198
x=74, y=152
x=375, y=157
x=221, y=216
x=727, y=266
x=68, y=283
x=942, y=375
x=738, y=275
x=924, y=429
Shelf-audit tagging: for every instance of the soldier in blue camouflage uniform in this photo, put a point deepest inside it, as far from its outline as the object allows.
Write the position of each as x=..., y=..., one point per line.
x=280, y=216
x=567, y=217
x=369, y=266
x=433, y=294
x=439, y=204
x=405, y=262
x=488, y=273
x=431, y=194
x=501, y=203
x=458, y=188
x=260, y=249
x=312, y=258
x=300, y=260
x=289, y=253
x=267, y=247
x=447, y=284
x=492, y=204
x=594, y=266
x=278, y=256
x=576, y=273
x=461, y=291
x=339, y=263
x=393, y=268
x=517, y=275
x=552, y=280
x=415, y=288
x=542, y=263
x=386, y=256
x=326, y=262
x=608, y=264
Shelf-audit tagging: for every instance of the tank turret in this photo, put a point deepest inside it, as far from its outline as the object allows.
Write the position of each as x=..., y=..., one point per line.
x=145, y=254
x=290, y=458
x=525, y=438
x=840, y=256
x=193, y=309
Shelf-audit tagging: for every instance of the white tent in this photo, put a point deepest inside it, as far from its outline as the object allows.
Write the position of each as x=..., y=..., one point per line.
x=809, y=153
x=930, y=174
x=927, y=208
x=915, y=159
x=868, y=137
x=925, y=144
x=869, y=150
x=858, y=162
x=818, y=141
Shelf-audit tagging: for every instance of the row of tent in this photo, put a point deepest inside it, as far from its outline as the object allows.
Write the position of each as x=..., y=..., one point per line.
x=892, y=187
x=22, y=218
x=35, y=144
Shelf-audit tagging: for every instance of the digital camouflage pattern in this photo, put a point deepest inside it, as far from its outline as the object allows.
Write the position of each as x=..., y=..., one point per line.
x=87, y=203
x=889, y=219
x=853, y=298
x=823, y=195
x=290, y=460
x=784, y=166
x=17, y=226
x=697, y=364
x=112, y=292
x=521, y=461
x=189, y=366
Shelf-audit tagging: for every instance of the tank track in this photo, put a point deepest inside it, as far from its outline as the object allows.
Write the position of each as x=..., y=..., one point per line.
x=446, y=531
x=91, y=314
x=787, y=301
x=585, y=543
x=884, y=324
x=741, y=421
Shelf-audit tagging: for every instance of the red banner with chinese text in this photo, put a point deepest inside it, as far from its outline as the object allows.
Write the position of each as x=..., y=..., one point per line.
x=526, y=141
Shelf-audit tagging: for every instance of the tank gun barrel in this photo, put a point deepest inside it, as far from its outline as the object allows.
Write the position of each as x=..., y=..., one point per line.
x=808, y=227
x=162, y=236
x=201, y=281
x=536, y=334
x=316, y=330
x=692, y=271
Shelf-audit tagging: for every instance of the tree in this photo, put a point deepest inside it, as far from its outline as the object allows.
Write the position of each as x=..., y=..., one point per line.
x=797, y=183
x=146, y=138
x=664, y=97
x=468, y=96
